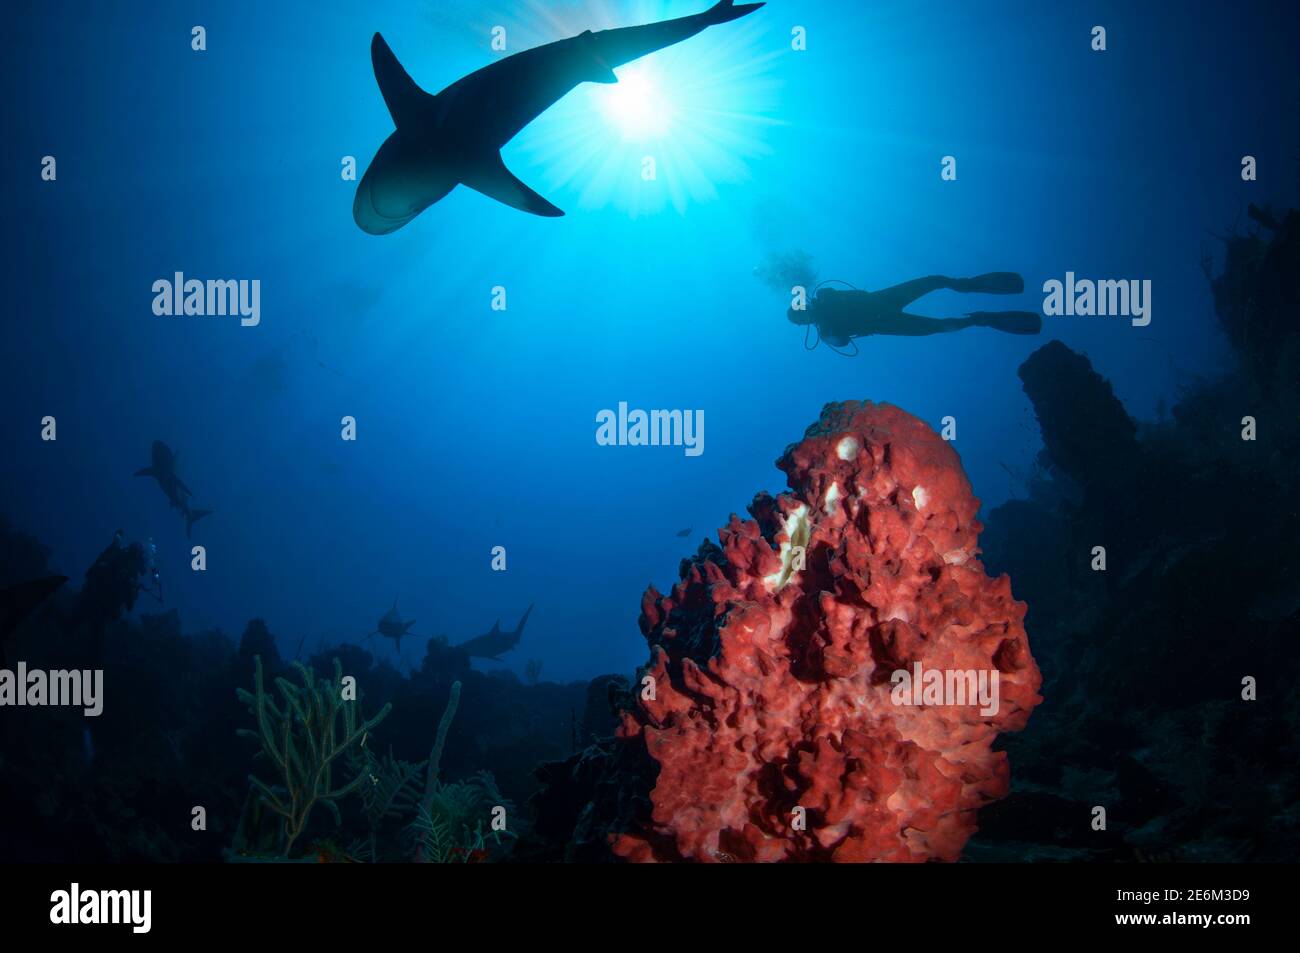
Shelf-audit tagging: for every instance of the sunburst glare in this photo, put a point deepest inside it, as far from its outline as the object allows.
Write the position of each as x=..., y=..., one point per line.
x=638, y=104
x=678, y=124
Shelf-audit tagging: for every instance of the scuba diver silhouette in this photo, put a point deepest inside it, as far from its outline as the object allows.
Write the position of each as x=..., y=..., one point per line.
x=113, y=583
x=840, y=316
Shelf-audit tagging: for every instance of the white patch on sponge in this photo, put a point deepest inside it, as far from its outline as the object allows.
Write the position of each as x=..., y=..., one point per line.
x=797, y=532
x=897, y=612
x=920, y=497
x=847, y=448
x=832, y=499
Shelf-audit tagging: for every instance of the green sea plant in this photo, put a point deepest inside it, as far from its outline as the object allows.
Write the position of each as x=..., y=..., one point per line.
x=302, y=737
x=390, y=789
x=448, y=824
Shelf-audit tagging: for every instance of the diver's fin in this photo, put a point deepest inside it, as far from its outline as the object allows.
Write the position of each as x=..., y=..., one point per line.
x=493, y=179
x=995, y=283
x=1013, y=322
x=724, y=11
x=192, y=517
x=404, y=99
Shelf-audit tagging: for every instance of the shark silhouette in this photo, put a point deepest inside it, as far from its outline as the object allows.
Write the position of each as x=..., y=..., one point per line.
x=491, y=644
x=392, y=627
x=163, y=469
x=455, y=137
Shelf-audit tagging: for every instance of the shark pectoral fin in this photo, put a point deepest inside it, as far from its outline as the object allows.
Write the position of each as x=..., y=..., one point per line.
x=404, y=99
x=606, y=76
x=147, y=471
x=493, y=179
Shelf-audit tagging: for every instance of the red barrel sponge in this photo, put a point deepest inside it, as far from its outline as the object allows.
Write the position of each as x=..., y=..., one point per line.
x=828, y=683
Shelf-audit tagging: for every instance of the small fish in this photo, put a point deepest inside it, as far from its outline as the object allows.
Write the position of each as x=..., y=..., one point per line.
x=682, y=534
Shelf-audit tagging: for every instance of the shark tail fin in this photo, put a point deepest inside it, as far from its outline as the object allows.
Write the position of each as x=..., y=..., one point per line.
x=404, y=99
x=724, y=11
x=192, y=517
x=493, y=179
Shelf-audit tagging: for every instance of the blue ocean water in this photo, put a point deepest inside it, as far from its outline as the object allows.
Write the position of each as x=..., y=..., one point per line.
x=476, y=427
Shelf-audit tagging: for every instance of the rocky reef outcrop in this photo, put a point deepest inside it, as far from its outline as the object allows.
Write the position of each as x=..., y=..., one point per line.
x=1159, y=558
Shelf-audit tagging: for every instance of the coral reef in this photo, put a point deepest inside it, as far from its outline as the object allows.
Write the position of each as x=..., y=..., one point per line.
x=389, y=793
x=302, y=738
x=1087, y=435
x=1144, y=656
x=121, y=787
x=768, y=703
x=450, y=823
x=439, y=822
x=1257, y=296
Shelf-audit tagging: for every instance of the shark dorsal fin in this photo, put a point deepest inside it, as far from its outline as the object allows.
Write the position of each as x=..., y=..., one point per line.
x=404, y=99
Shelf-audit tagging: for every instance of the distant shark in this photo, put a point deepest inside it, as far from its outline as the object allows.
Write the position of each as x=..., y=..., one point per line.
x=392, y=627
x=455, y=137
x=163, y=469
x=491, y=644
